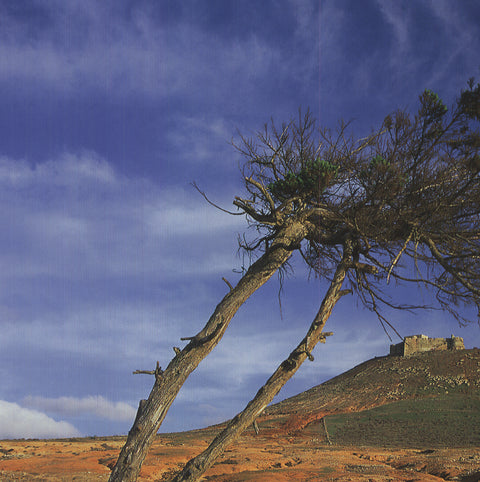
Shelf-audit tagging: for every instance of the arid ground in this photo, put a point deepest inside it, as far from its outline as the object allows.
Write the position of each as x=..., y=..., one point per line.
x=268, y=457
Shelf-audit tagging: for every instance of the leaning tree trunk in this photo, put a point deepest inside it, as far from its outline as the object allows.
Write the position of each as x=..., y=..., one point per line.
x=151, y=412
x=198, y=465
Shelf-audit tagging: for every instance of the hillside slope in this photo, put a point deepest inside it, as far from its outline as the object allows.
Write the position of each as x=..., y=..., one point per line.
x=388, y=379
x=450, y=420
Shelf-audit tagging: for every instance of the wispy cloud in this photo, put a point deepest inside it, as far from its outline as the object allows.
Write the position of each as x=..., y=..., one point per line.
x=82, y=218
x=126, y=51
x=398, y=20
x=20, y=422
x=74, y=407
x=202, y=140
x=130, y=55
x=460, y=29
x=429, y=38
x=68, y=172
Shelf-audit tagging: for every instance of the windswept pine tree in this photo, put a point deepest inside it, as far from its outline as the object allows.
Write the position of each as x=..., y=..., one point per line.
x=401, y=204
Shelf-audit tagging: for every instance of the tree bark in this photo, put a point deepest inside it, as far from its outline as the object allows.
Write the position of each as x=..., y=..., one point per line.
x=152, y=412
x=198, y=465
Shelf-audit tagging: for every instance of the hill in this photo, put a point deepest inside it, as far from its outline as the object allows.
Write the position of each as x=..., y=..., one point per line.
x=388, y=379
x=431, y=397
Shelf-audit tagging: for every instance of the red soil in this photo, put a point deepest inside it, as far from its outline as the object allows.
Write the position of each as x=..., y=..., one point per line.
x=267, y=457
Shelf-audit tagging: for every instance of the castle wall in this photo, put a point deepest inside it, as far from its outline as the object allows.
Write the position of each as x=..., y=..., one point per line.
x=455, y=343
x=397, y=350
x=421, y=343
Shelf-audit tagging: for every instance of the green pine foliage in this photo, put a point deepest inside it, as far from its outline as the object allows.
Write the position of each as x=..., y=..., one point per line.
x=377, y=166
x=469, y=101
x=379, y=163
x=432, y=110
x=310, y=181
x=435, y=101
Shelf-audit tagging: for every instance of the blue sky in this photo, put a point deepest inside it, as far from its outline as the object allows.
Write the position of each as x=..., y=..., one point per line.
x=108, y=111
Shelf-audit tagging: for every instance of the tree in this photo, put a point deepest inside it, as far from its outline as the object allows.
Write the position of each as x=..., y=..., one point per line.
x=402, y=203
x=411, y=189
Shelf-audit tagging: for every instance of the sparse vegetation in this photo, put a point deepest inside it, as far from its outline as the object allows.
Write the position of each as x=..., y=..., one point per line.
x=443, y=421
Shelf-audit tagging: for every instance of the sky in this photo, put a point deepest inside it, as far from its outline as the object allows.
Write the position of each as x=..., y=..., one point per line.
x=108, y=112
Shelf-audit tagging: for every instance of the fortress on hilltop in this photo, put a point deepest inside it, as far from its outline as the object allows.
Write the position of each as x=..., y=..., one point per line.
x=420, y=343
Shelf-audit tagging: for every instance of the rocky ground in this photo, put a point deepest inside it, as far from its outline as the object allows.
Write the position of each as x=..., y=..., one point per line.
x=267, y=457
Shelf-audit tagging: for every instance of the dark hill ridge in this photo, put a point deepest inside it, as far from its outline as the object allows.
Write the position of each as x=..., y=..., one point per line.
x=389, y=379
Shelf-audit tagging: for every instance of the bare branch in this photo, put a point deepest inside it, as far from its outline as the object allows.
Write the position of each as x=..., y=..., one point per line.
x=364, y=268
x=194, y=184
x=395, y=261
x=158, y=372
x=450, y=269
x=264, y=191
x=246, y=206
x=227, y=283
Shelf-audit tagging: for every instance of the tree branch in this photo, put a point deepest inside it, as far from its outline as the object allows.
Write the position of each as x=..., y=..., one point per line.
x=194, y=184
x=264, y=191
x=447, y=267
x=245, y=206
x=158, y=372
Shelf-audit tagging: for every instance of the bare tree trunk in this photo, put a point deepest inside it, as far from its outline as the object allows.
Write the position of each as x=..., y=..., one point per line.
x=198, y=465
x=167, y=384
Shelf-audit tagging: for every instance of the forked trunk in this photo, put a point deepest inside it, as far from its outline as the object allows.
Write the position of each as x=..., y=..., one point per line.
x=198, y=465
x=167, y=384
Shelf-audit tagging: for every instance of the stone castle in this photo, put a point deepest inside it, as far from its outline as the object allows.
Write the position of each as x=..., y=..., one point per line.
x=420, y=343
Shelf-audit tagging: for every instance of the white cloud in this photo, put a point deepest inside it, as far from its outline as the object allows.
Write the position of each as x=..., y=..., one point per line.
x=128, y=334
x=194, y=62
x=171, y=219
x=74, y=407
x=70, y=170
x=20, y=422
x=306, y=20
x=240, y=356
